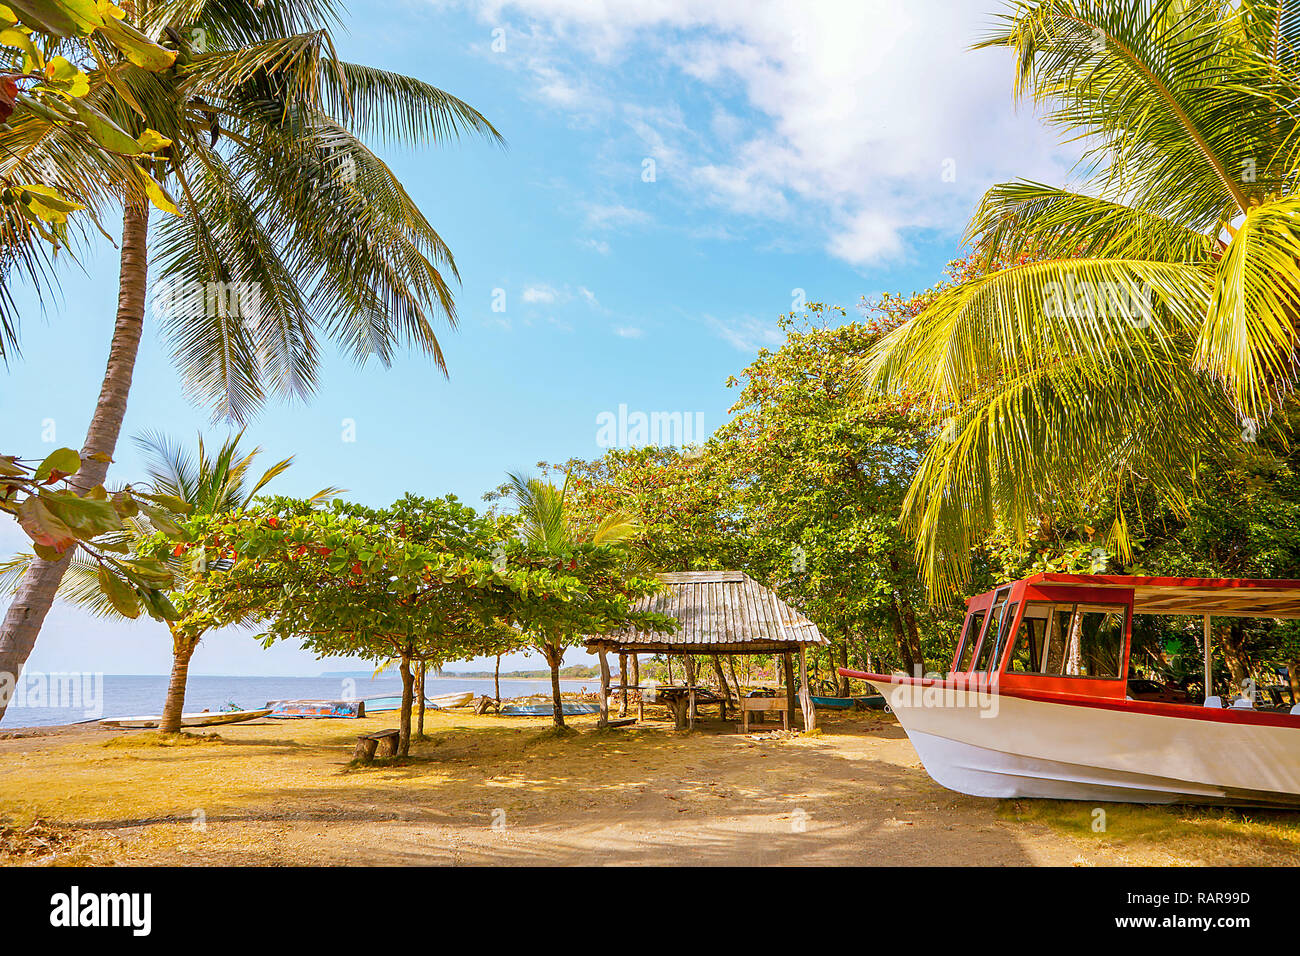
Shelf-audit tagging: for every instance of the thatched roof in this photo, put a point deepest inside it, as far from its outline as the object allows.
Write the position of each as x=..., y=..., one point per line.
x=721, y=612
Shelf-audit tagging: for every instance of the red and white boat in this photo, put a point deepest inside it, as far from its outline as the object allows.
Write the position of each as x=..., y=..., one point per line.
x=1036, y=703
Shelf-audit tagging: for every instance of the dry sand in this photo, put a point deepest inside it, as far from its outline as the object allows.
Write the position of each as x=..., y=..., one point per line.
x=501, y=791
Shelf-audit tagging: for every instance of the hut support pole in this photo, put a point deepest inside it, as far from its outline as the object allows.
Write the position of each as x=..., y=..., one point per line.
x=787, y=670
x=690, y=692
x=604, y=689
x=1205, y=621
x=622, y=680
x=805, y=693
x=636, y=681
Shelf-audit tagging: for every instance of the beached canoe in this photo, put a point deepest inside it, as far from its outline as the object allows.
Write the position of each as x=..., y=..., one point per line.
x=376, y=705
x=316, y=708
x=202, y=719
x=570, y=709
x=872, y=701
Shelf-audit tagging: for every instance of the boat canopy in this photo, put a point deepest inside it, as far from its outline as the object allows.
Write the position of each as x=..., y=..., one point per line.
x=1220, y=597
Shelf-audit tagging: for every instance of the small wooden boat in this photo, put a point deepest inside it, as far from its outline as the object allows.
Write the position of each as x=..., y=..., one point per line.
x=1036, y=702
x=317, y=708
x=458, y=699
x=202, y=719
x=570, y=709
x=871, y=701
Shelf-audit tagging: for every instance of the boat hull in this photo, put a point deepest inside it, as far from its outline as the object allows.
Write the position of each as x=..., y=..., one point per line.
x=203, y=719
x=548, y=710
x=998, y=745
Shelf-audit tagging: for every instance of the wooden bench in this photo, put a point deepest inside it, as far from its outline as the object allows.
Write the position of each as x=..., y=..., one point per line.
x=758, y=705
x=368, y=745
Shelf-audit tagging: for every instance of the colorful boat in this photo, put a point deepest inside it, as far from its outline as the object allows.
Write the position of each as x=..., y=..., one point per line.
x=1036, y=702
x=201, y=719
x=459, y=699
x=871, y=701
x=317, y=708
x=570, y=709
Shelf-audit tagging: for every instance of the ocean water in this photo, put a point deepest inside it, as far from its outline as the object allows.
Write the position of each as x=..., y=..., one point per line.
x=45, y=700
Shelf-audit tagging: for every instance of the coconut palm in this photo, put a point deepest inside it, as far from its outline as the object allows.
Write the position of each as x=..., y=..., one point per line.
x=1147, y=313
x=285, y=227
x=215, y=484
x=550, y=524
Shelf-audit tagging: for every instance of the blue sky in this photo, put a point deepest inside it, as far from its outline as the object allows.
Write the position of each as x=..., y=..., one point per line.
x=679, y=173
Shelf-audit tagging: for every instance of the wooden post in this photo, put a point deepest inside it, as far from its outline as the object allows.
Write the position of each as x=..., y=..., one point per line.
x=787, y=666
x=805, y=693
x=1209, y=674
x=636, y=682
x=622, y=680
x=604, y=689
x=690, y=692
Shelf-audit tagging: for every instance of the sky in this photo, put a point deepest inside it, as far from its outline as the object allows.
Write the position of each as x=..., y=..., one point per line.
x=677, y=175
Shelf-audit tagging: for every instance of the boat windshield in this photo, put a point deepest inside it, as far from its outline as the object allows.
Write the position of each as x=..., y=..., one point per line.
x=970, y=638
x=995, y=638
x=1070, y=640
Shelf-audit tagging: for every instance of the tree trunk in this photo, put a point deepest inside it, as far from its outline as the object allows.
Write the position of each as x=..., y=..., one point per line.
x=731, y=666
x=555, y=657
x=913, y=636
x=726, y=688
x=1293, y=679
x=900, y=641
x=496, y=680
x=420, y=669
x=844, y=663
x=1232, y=638
x=174, y=706
x=35, y=595
x=787, y=667
x=408, y=697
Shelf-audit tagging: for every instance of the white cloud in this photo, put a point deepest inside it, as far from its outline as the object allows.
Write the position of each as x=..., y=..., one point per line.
x=596, y=245
x=839, y=116
x=629, y=332
x=609, y=216
x=541, y=294
x=747, y=334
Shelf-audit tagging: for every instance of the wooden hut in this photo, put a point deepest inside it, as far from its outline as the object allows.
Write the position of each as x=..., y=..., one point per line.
x=720, y=612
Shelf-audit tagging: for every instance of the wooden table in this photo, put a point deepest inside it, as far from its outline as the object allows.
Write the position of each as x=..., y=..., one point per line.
x=758, y=705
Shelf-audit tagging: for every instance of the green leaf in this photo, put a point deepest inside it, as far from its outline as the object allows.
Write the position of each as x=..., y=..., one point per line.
x=139, y=49
x=65, y=461
x=120, y=594
x=104, y=131
x=63, y=72
x=148, y=573
x=151, y=141
x=88, y=516
x=43, y=527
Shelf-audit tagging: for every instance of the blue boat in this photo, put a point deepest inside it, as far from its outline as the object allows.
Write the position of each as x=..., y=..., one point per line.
x=548, y=710
x=871, y=701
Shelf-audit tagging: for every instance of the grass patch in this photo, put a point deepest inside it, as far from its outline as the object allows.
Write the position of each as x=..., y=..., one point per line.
x=1210, y=834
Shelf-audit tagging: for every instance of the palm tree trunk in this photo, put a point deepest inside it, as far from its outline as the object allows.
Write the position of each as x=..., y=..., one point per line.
x=182, y=651
x=554, y=657
x=23, y=620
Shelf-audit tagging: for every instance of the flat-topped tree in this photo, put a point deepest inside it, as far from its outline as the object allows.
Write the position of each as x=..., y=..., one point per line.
x=412, y=582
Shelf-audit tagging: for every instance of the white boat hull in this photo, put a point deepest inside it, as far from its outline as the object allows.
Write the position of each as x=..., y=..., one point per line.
x=1019, y=747
x=452, y=700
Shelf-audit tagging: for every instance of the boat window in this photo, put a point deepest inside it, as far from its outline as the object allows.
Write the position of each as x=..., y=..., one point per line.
x=971, y=637
x=1096, y=648
x=989, y=651
x=1071, y=640
x=1031, y=638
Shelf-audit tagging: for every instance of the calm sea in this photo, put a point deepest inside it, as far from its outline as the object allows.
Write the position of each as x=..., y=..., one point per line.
x=56, y=699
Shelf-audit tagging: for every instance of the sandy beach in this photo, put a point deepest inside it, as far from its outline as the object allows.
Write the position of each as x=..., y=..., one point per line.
x=490, y=790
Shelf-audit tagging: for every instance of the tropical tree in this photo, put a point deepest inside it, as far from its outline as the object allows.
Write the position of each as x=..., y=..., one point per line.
x=555, y=537
x=1140, y=320
x=208, y=485
x=285, y=226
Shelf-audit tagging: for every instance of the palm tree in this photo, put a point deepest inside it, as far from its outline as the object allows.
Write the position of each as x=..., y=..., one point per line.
x=1146, y=316
x=286, y=226
x=551, y=525
x=210, y=485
